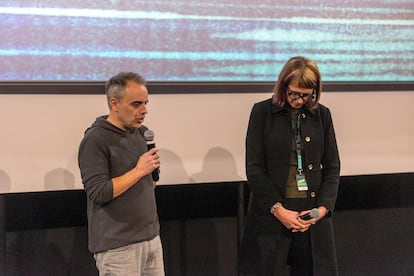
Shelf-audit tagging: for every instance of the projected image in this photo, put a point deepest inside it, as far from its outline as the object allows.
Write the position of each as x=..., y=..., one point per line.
x=192, y=40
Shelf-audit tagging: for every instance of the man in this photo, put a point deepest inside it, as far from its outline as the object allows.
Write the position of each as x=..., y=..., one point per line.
x=116, y=167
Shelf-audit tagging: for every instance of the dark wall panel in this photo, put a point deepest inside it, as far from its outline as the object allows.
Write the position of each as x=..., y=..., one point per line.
x=45, y=233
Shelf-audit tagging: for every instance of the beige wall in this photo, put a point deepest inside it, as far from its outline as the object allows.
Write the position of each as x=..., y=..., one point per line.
x=200, y=136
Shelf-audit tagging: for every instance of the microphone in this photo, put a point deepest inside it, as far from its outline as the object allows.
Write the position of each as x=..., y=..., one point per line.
x=314, y=213
x=149, y=139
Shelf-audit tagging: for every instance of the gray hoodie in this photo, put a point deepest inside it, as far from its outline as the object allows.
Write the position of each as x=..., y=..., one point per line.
x=106, y=152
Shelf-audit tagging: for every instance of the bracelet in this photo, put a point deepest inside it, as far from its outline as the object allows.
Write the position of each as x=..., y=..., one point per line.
x=274, y=206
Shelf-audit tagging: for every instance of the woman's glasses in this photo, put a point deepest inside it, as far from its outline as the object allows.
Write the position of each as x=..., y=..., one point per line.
x=293, y=95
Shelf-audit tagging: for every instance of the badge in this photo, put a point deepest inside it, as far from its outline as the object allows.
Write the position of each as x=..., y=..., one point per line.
x=301, y=182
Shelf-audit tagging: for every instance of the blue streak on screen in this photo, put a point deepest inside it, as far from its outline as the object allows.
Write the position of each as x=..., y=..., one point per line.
x=226, y=40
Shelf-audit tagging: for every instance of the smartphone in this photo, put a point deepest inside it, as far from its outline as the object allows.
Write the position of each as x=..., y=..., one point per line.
x=306, y=216
x=314, y=213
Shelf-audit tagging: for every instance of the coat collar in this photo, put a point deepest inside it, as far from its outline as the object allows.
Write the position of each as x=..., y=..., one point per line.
x=286, y=107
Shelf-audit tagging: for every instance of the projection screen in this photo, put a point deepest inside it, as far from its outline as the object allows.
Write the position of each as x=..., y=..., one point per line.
x=192, y=40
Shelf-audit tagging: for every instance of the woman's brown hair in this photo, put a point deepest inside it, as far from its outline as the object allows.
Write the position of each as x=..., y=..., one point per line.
x=302, y=72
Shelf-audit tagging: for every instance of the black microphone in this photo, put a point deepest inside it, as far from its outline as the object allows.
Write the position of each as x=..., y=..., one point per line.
x=314, y=213
x=149, y=139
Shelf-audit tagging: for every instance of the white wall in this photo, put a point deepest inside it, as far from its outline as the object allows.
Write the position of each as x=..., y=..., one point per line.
x=200, y=136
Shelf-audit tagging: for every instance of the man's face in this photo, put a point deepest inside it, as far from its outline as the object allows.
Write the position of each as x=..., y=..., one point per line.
x=130, y=111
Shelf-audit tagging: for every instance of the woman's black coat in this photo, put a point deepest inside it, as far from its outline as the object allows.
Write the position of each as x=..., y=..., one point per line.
x=268, y=151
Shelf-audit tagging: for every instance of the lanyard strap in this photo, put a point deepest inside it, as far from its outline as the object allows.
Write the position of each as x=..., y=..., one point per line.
x=296, y=130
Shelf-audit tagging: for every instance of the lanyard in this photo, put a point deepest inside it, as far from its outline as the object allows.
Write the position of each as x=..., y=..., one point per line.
x=296, y=130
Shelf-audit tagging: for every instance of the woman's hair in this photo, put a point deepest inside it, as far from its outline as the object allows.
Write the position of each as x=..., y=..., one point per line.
x=115, y=86
x=302, y=72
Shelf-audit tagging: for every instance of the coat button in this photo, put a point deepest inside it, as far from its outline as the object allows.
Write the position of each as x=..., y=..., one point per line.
x=307, y=139
x=310, y=167
x=303, y=115
x=312, y=194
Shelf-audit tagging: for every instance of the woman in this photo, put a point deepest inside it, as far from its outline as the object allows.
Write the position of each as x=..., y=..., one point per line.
x=292, y=167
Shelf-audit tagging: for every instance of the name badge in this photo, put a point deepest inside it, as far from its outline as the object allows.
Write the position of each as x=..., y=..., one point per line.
x=301, y=182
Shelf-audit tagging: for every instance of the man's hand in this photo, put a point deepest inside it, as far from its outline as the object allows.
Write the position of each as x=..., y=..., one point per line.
x=148, y=162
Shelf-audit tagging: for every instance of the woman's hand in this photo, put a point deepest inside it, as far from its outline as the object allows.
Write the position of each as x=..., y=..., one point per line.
x=290, y=219
x=322, y=211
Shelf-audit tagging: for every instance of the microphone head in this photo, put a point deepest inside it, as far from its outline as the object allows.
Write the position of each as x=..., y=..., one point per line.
x=149, y=135
x=314, y=213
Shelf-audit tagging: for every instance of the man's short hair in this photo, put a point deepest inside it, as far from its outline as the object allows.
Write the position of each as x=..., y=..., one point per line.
x=115, y=86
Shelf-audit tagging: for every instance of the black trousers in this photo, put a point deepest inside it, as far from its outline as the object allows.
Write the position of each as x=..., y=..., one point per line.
x=300, y=251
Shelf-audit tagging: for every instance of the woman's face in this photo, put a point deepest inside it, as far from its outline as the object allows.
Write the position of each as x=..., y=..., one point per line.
x=297, y=97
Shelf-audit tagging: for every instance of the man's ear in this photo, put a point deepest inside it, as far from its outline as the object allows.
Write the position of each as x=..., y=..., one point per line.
x=113, y=104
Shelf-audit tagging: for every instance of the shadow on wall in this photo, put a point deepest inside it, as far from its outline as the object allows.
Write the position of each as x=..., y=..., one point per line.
x=175, y=171
x=59, y=179
x=219, y=166
x=5, y=182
